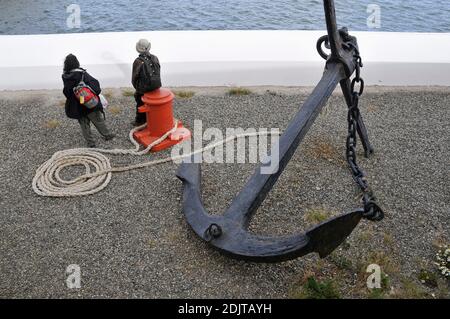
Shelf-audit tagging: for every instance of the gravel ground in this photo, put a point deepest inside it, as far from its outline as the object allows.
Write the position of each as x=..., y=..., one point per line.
x=132, y=241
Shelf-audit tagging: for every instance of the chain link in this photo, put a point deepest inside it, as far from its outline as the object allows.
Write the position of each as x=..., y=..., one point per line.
x=372, y=211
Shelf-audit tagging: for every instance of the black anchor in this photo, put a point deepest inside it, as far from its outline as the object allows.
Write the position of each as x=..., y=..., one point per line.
x=229, y=233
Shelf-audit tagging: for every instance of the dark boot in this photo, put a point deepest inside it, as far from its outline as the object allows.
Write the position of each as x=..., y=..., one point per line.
x=140, y=117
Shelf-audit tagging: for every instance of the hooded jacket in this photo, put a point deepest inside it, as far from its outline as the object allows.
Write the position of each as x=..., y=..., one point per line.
x=74, y=109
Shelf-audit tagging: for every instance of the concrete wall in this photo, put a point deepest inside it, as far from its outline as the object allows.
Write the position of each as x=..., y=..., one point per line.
x=217, y=58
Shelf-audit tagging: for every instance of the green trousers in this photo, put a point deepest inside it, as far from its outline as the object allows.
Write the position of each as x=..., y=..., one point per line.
x=98, y=119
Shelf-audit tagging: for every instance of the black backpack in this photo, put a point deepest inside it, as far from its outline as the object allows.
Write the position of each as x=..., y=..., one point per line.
x=149, y=78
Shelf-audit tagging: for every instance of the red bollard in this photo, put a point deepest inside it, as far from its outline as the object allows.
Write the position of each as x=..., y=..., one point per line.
x=158, y=106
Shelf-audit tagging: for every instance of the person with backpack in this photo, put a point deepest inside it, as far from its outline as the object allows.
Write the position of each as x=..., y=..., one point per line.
x=83, y=102
x=146, y=76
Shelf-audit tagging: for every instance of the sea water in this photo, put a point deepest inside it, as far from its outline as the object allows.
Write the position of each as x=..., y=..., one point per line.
x=54, y=16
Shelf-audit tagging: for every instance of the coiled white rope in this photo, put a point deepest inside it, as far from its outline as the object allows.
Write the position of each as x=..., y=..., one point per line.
x=98, y=170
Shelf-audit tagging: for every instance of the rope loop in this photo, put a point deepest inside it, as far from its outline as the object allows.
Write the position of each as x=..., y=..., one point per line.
x=98, y=170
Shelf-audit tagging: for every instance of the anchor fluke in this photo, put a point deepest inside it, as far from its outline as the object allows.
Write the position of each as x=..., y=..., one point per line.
x=233, y=239
x=328, y=236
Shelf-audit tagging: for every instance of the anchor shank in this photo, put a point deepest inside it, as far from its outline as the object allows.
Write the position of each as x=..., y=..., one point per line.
x=333, y=33
x=258, y=186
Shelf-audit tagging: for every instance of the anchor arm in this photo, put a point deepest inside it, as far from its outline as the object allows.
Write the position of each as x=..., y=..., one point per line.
x=235, y=241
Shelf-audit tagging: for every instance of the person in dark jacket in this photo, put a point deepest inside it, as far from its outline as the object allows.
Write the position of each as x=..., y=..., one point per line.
x=74, y=110
x=143, y=48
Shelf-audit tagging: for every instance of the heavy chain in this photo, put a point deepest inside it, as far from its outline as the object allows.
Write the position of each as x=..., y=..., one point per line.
x=372, y=211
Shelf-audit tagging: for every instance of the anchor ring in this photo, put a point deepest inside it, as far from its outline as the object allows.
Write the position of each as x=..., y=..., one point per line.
x=323, y=39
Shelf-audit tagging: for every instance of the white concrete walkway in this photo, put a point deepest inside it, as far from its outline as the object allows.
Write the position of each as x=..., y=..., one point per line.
x=217, y=58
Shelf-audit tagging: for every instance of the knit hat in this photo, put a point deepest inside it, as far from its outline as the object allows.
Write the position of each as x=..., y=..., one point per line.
x=143, y=46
